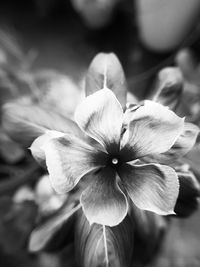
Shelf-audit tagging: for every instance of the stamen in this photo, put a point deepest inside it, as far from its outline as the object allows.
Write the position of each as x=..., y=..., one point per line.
x=114, y=161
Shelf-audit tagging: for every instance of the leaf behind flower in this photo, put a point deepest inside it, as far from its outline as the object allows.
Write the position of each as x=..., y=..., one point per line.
x=56, y=232
x=168, y=87
x=103, y=246
x=106, y=71
x=24, y=122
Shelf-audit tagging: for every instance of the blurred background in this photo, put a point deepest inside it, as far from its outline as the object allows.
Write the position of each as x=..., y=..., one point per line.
x=46, y=46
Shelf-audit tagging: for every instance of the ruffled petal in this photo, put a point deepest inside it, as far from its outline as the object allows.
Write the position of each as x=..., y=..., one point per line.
x=103, y=202
x=185, y=141
x=100, y=115
x=151, y=187
x=152, y=128
x=181, y=147
x=68, y=159
x=37, y=151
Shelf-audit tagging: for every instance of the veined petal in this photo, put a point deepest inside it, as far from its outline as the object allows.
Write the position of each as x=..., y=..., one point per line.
x=153, y=128
x=185, y=141
x=68, y=159
x=100, y=115
x=103, y=202
x=151, y=187
x=182, y=146
x=37, y=151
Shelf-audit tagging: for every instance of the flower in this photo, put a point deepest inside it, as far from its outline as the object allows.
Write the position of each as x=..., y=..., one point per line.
x=109, y=155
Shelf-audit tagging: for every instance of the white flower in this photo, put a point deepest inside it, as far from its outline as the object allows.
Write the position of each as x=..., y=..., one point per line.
x=109, y=156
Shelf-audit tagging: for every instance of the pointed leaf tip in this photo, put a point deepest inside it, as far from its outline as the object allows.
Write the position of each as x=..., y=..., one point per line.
x=168, y=87
x=106, y=70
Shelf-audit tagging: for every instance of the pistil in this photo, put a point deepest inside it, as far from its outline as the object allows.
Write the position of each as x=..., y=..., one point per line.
x=114, y=161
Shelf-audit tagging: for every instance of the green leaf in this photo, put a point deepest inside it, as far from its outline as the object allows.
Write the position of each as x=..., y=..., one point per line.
x=56, y=232
x=105, y=70
x=24, y=122
x=102, y=246
x=168, y=87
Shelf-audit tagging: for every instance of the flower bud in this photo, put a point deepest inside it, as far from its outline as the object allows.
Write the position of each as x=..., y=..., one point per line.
x=95, y=13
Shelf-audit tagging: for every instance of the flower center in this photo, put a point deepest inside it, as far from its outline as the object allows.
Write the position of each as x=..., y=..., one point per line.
x=115, y=161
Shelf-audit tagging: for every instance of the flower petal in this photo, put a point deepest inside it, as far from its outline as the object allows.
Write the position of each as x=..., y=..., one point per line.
x=186, y=140
x=182, y=146
x=37, y=151
x=152, y=128
x=100, y=115
x=68, y=159
x=151, y=187
x=103, y=202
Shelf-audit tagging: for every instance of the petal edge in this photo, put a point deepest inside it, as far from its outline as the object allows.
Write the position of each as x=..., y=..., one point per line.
x=103, y=202
x=151, y=187
x=153, y=129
